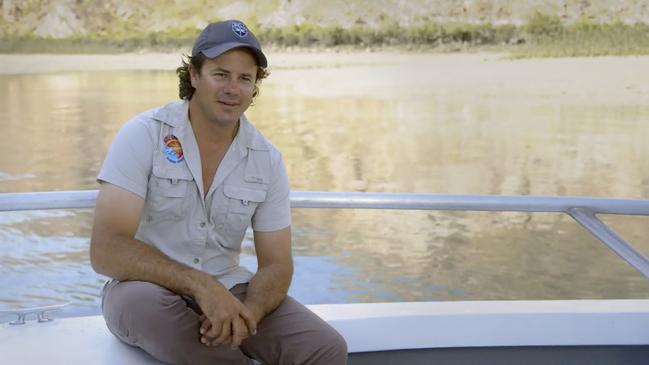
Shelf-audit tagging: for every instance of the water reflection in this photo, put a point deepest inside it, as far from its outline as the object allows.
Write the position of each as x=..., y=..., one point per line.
x=368, y=127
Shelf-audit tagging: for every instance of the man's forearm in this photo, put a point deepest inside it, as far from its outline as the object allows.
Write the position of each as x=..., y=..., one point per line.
x=125, y=258
x=268, y=288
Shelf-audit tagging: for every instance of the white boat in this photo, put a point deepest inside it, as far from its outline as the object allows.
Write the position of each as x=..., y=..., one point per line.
x=459, y=332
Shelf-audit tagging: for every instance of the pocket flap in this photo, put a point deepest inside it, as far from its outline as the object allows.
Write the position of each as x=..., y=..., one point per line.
x=172, y=172
x=237, y=192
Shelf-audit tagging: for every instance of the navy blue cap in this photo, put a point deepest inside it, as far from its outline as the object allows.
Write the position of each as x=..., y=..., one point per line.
x=220, y=37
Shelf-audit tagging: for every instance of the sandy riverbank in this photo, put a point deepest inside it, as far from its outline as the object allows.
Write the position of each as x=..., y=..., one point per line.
x=608, y=79
x=39, y=63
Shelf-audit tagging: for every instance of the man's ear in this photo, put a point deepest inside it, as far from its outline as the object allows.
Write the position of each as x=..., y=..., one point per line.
x=193, y=75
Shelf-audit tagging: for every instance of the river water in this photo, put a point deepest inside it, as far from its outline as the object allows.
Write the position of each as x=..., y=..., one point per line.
x=443, y=124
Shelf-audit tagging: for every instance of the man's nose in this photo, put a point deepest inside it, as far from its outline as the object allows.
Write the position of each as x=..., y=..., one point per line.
x=231, y=86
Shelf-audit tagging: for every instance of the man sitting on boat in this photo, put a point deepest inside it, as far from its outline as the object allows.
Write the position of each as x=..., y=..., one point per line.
x=178, y=188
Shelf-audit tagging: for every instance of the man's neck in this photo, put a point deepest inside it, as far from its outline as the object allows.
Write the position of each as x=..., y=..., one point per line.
x=210, y=133
x=213, y=141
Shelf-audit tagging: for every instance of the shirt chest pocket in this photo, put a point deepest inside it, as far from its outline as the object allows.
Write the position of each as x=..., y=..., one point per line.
x=169, y=193
x=241, y=203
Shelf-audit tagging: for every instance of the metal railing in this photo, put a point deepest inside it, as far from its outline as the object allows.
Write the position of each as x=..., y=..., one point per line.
x=582, y=209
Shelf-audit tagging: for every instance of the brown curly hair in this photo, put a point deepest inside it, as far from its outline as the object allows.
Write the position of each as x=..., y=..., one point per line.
x=185, y=88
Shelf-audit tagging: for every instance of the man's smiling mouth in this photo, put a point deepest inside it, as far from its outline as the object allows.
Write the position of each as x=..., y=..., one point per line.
x=228, y=103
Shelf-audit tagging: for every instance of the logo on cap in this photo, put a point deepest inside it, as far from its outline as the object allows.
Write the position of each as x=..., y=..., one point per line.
x=239, y=29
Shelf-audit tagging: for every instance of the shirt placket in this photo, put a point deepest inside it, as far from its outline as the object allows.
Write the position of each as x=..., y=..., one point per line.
x=198, y=214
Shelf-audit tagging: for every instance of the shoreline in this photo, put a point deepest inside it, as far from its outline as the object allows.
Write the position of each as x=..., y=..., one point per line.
x=13, y=64
x=28, y=63
x=606, y=79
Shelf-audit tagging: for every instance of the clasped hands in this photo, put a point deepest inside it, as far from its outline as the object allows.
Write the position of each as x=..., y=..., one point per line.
x=225, y=320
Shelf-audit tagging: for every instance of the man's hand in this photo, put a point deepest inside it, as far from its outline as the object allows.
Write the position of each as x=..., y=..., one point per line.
x=225, y=320
x=240, y=330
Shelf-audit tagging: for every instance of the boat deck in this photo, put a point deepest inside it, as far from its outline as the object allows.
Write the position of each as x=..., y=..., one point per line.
x=476, y=332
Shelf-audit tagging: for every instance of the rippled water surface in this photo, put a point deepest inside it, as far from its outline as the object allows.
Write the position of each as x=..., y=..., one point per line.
x=424, y=124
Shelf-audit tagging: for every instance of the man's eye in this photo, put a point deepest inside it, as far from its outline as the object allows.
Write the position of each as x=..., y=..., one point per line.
x=220, y=75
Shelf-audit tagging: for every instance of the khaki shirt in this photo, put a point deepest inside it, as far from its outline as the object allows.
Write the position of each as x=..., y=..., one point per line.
x=155, y=155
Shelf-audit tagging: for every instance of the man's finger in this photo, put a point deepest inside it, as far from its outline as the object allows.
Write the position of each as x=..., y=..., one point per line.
x=215, y=329
x=205, y=325
x=239, y=332
x=250, y=321
x=226, y=333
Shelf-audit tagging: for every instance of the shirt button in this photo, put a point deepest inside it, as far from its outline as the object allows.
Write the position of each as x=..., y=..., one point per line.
x=196, y=260
x=202, y=224
x=221, y=226
x=149, y=218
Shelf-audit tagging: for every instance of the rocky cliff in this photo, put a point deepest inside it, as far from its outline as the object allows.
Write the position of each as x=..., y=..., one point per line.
x=70, y=18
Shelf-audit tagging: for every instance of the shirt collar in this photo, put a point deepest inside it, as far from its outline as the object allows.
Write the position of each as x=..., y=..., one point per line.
x=249, y=137
x=175, y=114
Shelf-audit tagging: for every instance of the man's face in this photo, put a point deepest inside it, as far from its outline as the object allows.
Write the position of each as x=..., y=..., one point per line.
x=224, y=86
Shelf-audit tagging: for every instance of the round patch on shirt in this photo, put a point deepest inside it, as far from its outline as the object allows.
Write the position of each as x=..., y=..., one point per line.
x=173, y=150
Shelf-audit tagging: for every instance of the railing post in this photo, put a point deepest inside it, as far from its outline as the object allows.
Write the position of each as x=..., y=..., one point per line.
x=610, y=238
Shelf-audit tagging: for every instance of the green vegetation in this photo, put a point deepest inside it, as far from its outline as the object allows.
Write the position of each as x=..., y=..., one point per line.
x=543, y=35
x=116, y=42
x=428, y=36
x=548, y=38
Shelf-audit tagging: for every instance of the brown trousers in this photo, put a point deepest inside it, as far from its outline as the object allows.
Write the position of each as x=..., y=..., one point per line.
x=166, y=325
